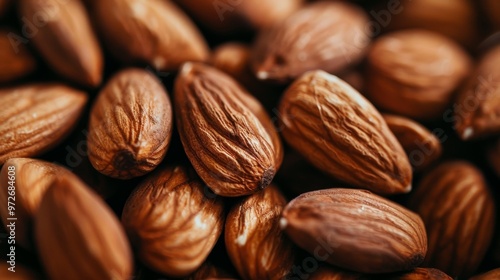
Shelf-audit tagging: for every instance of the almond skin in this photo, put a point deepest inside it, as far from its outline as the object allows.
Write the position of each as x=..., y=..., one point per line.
x=168, y=213
x=254, y=241
x=342, y=134
x=477, y=107
x=414, y=73
x=15, y=62
x=78, y=236
x=227, y=135
x=65, y=39
x=356, y=230
x=329, y=36
x=155, y=32
x=458, y=211
x=490, y=275
x=130, y=125
x=34, y=118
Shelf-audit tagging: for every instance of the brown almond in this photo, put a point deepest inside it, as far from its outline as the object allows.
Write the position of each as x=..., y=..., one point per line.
x=329, y=36
x=341, y=133
x=414, y=73
x=254, y=241
x=65, y=38
x=155, y=32
x=459, y=215
x=209, y=271
x=34, y=118
x=330, y=273
x=421, y=146
x=356, y=230
x=78, y=236
x=15, y=59
x=130, y=125
x=490, y=275
x=172, y=222
x=227, y=135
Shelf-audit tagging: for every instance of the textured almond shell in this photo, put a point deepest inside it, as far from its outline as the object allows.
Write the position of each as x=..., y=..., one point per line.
x=34, y=118
x=78, y=236
x=130, y=125
x=149, y=31
x=172, y=223
x=227, y=135
x=356, y=230
x=341, y=133
x=65, y=38
x=459, y=214
x=329, y=36
x=254, y=241
x=15, y=61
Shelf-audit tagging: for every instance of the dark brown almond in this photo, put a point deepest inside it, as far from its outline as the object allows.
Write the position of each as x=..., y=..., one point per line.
x=15, y=59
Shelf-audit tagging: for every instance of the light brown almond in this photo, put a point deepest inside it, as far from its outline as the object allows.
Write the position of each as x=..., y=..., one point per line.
x=15, y=60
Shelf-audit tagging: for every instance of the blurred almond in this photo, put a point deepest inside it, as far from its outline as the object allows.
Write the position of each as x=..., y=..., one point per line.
x=15, y=60
x=490, y=275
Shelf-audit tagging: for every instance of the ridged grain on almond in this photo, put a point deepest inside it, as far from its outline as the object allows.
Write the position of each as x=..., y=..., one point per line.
x=78, y=236
x=31, y=179
x=65, y=38
x=227, y=135
x=421, y=146
x=155, y=32
x=34, y=118
x=418, y=274
x=356, y=230
x=341, y=133
x=414, y=73
x=330, y=36
x=458, y=211
x=130, y=125
x=15, y=59
x=172, y=222
x=477, y=107
x=490, y=275
x=254, y=241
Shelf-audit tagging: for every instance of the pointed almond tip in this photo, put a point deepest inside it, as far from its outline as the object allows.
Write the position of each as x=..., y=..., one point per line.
x=467, y=133
x=283, y=223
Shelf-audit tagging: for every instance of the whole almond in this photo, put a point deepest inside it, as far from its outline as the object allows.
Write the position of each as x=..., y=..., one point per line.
x=476, y=110
x=227, y=135
x=65, y=38
x=78, y=236
x=421, y=146
x=414, y=73
x=490, y=275
x=34, y=118
x=356, y=230
x=172, y=222
x=329, y=36
x=458, y=212
x=155, y=32
x=15, y=60
x=130, y=125
x=254, y=241
x=341, y=133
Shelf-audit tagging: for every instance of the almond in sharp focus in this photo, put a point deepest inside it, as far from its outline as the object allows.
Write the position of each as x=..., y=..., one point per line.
x=15, y=59
x=172, y=222
x=65, y=38
x=78, y=236
x=458, y=212
x=329, y=36
x=227, y=135
x=356, y=230
x=34, y=118
x=149, y=31
x=341, y=133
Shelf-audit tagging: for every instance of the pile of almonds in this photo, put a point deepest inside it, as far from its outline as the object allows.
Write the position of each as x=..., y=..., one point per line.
x=249, y=139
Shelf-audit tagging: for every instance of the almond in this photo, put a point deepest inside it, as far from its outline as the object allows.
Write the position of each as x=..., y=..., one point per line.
x=172, y=223
x=476, y=110
x=65, y=38
x=325, y=35
x=227, y=135
x=418, y=274
x=421, y=146
x=78, y=236
x=331, y=273
x=155, y=32
x=210, y=271
x=356, y=230
x=414, y=73
x=341, y=133
x=15, y=61
x=490, y=275
x=255, y=243
x=458, y=212
x=130, y=125
x=34, y=118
